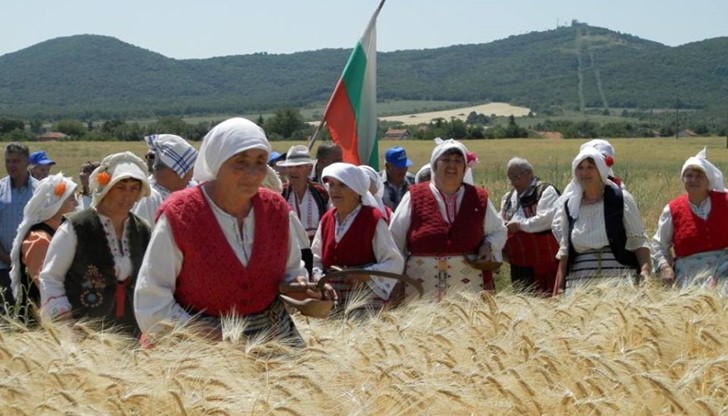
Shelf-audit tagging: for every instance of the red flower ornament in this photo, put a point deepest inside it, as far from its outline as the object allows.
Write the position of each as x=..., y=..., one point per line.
x=609, y=161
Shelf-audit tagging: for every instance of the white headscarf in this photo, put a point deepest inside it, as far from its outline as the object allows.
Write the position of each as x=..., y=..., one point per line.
x=424, y=170
x=113, y=169
x=574, y=191
x=271, y=181
x=224, y=141
x=173, y=151
x=376, y=182
x=605, y=148
x=47, y=199
x=700, y=161
x=354, y=178
x=442, y=146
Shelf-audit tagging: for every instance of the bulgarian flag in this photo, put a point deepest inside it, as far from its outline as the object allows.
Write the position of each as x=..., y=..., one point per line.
x=351, y=115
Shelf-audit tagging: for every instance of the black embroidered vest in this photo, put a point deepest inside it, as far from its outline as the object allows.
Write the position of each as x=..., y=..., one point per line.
x=91, y=284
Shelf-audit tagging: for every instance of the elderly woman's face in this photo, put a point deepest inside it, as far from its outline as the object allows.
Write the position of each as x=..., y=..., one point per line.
x=244, y=172
x=450, y=168
x=342, y=197
x=121, y=197
x=587, y=172
x=695, y=181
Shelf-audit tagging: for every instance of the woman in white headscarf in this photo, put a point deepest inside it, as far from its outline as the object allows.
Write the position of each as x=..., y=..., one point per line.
x=93, y=260
x=440, y=222
x=355, y=235
x=222, y=248
x=695, y=226
x=600, y=231
x=376, y=188
x=53, y=198
x=607, y=151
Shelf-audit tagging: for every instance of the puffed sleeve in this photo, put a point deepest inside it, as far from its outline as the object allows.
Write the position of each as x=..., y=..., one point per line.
x=58, y=260
x=388, y=260
x=400, y=224
x=633, y=226
x=662, y=240
x=495, y=231
x=154, y=301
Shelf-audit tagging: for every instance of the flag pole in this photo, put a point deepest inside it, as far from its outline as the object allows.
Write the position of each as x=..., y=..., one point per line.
x=315, y=133
x=323, y=117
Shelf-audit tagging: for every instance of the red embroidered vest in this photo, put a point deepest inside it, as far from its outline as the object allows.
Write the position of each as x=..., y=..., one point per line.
x=355, y=247
x=429, y=234
x=212, y=279
x=694, y=235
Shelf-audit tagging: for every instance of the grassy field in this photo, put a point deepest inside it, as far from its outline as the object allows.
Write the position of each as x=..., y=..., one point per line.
x=631, y=351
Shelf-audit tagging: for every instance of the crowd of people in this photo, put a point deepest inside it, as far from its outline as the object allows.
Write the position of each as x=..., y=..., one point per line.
x=183, y=237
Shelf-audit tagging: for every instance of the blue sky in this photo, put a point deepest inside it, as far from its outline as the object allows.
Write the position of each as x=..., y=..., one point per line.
x=192, y=29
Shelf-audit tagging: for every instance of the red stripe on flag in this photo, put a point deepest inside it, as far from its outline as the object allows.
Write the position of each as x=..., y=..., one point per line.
x=341, y=122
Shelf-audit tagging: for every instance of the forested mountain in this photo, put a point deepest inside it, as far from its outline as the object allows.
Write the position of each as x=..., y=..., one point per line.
x=575, y=67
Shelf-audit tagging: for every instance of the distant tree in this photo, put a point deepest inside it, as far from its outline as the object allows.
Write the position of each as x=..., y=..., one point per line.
x=17, y=135
x=285, y=122
x=8, y=124
x=169, y=125
x=73, y=128
x=36, y=126
x=513, y=130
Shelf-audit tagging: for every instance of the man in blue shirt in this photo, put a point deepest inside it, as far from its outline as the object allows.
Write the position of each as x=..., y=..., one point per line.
x=395, y=176
x=15, y=191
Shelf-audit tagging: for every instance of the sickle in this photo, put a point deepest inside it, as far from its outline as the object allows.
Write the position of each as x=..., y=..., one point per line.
x=339, y=273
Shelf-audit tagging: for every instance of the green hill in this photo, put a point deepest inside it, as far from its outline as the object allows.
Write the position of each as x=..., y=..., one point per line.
x=576, y=67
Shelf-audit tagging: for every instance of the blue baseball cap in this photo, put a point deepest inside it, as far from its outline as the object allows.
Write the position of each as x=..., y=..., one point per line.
x=40, y=158
x=397, y=157
x=274, y=157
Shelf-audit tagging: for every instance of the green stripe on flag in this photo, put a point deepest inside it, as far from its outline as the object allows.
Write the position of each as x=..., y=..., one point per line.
x=353, y=77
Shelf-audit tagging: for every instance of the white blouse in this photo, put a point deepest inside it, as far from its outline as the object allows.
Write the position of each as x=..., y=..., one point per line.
x=545, y=210
x=60, y=256
x=662, y=240
x=590, y=231
x=306, y=210
x=494, y=229
x=147, y=207
x=385, y=251
x=154, y=300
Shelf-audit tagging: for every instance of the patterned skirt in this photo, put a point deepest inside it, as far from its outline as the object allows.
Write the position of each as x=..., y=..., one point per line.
x=441, y=275
x=273, y=323
x=596, y=267
x=708, y=269
x=360, y=297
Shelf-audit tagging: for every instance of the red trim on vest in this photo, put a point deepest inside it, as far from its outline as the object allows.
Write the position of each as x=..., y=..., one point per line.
x=429, y=234
x=212, y=279
x=355, y=247
x=694, y=235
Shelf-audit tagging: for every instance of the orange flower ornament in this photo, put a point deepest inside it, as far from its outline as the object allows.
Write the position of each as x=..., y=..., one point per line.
x=103, y=178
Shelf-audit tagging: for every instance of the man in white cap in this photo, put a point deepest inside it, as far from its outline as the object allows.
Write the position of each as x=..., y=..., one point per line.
x=308, y=199
x=174, y=159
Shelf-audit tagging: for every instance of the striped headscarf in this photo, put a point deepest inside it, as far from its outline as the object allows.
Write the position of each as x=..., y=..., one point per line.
x=173, y=151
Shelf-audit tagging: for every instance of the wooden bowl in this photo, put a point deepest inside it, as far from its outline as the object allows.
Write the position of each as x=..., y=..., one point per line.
x=315, y=308
x=486, y=265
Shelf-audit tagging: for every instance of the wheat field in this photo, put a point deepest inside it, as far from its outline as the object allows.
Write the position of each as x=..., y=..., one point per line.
x=632, y=351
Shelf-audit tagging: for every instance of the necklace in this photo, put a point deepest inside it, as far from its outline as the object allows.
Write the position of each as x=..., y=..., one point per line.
x=589, y=201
